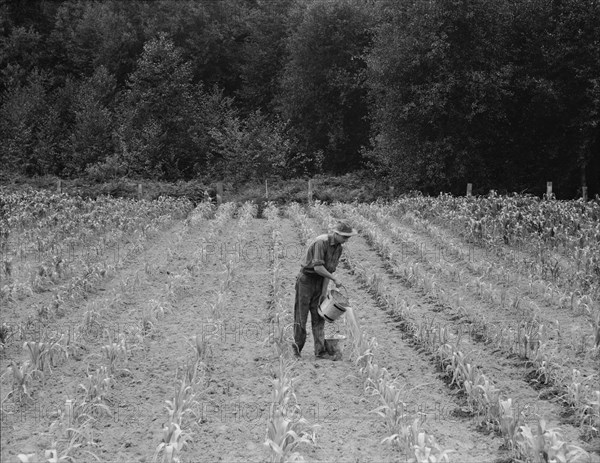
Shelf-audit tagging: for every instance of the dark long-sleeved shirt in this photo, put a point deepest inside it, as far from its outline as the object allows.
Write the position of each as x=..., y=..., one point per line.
x=322, y=251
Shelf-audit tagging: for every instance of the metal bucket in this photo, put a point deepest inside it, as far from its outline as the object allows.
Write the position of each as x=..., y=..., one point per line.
x=334, y=306
x=333, y=346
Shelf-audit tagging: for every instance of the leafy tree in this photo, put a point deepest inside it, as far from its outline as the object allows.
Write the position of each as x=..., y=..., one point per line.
x=573, y=65
x=28, y=127
x=87, y=35
x=252, y=148
x=91, y=139
x=322, y=89
x=19, y=56
x=263, y=52
x=163, y=124
x=475, y=90
x=209, y=34
x=438, y=91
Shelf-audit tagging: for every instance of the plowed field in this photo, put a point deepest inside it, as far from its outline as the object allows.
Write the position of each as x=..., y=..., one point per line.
x=200, y=296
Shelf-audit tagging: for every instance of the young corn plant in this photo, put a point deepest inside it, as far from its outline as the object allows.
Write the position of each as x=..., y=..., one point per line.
x=183, y=402
x=546, y=445
x=91, y=322
x=38, y=355
x=547, y=367
x=21, y=376
x=392, y=409
x=173, y=442
x=75, y=422
x=489, y=400
x=283, y=391
x=114, y=352
x=278, y=336
x=364, y=351
x=54, y=456
x=413, y=440
x=57, y=350
x=188, y=373
x=405, y=436
x=578, y=397
x=427, y=450
x=509, y=423
x=97, y=385
x=575, y=390
x=202, y=351
x=202, y=355
x=284, y=435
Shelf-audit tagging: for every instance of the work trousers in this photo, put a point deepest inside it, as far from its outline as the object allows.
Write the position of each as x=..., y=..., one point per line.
x=308, y=293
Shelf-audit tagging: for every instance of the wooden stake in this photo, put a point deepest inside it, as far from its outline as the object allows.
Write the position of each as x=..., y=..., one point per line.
x=584, y=193
x=139, y=191
x=310, y=191
x=469, y=189
x=59, y=186
x=267, y=189
x=219, y=193
x=548, y=190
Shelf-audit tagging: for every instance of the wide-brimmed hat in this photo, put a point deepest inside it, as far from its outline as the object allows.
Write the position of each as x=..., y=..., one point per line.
x=342, y=228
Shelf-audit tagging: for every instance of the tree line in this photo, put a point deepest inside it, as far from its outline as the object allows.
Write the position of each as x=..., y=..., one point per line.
x=424, y=94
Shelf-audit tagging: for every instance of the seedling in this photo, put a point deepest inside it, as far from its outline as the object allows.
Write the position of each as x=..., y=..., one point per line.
x=426, y=450
x=509, y=422
x=112, y=352
x=284, y=435
x=174, y=440
x=97, y=385
x=182, y=403
x=21, y=381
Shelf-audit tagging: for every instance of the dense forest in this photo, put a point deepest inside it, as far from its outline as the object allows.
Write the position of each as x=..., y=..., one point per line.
x=425, y=94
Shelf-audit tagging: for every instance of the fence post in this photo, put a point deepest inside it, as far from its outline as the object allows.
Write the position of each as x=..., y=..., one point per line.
x=139, y=191
x=310, y=191
x=469, y=189
x=391, y=191
x=59, y=186
x=548, y=190
x=219, y=193
x=584, y=193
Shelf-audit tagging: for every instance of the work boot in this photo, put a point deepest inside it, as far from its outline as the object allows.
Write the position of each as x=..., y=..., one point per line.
x=295, y=351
